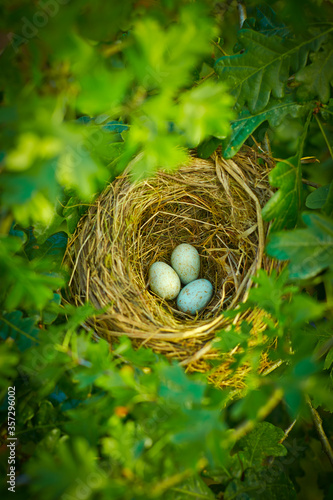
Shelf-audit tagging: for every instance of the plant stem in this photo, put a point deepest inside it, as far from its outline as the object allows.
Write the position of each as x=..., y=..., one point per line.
x=319, y=427
x=288, y=430
x=312, y=184
x=325, y=136
x=218, y=47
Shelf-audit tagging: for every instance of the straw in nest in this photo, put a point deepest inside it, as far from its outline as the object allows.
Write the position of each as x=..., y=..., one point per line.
x=214, y=205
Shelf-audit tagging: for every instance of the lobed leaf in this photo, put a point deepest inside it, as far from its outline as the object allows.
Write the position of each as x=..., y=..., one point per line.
x=317, y=78
x=260, y=485
x=246, y=123
x=317, y=198
x=264, y=67
x=310, y=251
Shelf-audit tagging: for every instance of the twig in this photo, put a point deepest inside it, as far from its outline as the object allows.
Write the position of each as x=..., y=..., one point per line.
x=267, y=145
x=219, y=47
x=203, y=79
x=325, y=136
x=288, y=430
x=169, y=482
x=309, y=183
x=321, y=433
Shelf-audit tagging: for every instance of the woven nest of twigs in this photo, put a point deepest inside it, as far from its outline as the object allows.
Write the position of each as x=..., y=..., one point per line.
x=214, y=205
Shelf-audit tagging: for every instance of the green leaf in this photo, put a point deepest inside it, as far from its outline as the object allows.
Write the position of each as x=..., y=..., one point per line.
x=270, y=293
x=65, y=471
x=328, y=206
x=302, y=309
x=92, y=20
x=51, y=313
x=193, y=488
x=164, y=58
x=73, y=212
x=317, y=198
x=266, y=21
x=226, y=340
x=310, y=250
x=205, y=110
x=262, y=442
x=23, y=283
x=260, y=485
x=53, y=248
x=317, y=78
x=22, y=330
x=286, y=202
x=102, y=90
x=275, y=112
x=207, y=147
x=263, y=68
x=9, y=359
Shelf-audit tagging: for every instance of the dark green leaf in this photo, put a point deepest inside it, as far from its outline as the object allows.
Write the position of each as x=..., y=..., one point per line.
x=286, y=202
x=51, y=313
x=263, y=68
x=9, y=359
x=22, y=330
x=317, y=198
x=260, y=485
x=316, y=78
x=193, y=488
x=53, y=248
x=207, y=147
x=262, y=442
x=328, y=206
x=266, y=21
x=276, y=111
x=310, y=250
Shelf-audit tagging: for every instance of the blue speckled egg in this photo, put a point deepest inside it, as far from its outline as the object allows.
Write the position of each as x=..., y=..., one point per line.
x=186, y=262
x=195, y=296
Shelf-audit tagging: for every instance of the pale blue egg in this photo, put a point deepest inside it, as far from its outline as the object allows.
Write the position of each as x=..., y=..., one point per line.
x=195, y=296
x=186, y=262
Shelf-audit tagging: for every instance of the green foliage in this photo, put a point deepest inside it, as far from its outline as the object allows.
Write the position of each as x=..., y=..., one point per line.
x=309, y=250
x=257, y=486
x=317, y=198
x=274, y=113
x=25, y=284
x=86, y=88
x=285, y=204
x=264, y=65
x=261, y=443
x=317, y=77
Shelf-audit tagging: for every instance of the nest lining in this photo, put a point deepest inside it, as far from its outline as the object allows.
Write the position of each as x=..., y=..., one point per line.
x=214, y=205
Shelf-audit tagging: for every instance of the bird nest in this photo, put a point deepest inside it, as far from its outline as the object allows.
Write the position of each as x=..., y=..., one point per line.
x=214, y=205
